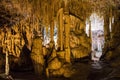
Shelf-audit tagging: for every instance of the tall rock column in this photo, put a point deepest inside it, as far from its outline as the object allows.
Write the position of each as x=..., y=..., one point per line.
x=52, y=31
x=60, y=28
x=67, y=32
x=67, y=40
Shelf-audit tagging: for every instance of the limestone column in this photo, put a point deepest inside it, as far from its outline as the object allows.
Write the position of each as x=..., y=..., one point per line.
x=67, y=35
x=61, y=28
x=52, y=31
x=67, y=31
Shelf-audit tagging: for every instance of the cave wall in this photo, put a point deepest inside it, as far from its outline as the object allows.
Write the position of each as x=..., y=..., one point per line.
x=112, y=45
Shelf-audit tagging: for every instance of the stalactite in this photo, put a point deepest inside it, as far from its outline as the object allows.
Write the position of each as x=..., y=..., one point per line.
x=106, y=28
x=111, y=24
x=37, y=25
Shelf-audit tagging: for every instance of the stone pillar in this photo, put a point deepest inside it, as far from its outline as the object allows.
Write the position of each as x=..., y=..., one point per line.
x=52, y=30
x=61, y=29
x=67, y=35
x=67, y=31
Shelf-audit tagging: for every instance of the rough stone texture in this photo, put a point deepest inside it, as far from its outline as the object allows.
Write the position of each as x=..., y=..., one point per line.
x=61, y=54
x=65, y=70
x=37, y=56
x=14, y=41
x=80, y=43
x=54, y=64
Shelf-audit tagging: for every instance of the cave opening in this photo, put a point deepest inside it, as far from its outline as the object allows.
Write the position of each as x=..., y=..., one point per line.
x=95, y=30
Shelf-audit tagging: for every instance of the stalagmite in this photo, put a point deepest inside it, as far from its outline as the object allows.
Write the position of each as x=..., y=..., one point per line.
x=7, y=64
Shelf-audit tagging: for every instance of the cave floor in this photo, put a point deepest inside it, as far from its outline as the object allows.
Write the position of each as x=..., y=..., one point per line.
x=84, y=71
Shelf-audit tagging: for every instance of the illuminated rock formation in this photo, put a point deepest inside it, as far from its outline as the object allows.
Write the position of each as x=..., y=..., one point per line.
x=28, y=28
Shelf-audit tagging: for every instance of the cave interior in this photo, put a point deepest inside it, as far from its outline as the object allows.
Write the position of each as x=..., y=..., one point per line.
x=60, y=39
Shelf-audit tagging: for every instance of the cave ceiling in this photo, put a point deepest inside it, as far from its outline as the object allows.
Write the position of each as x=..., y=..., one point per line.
x=12, y=11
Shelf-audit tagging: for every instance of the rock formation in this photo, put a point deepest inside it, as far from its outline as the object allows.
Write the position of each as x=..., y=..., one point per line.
x=25, y=23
